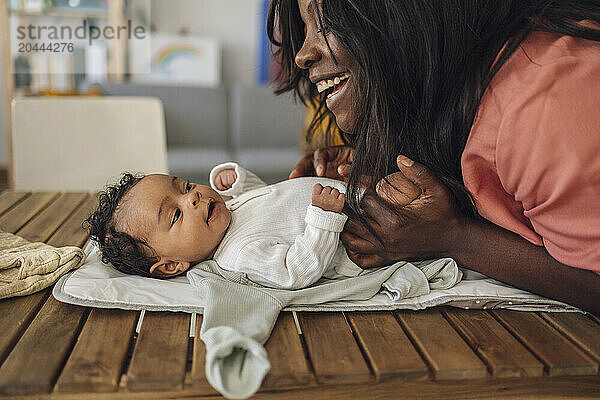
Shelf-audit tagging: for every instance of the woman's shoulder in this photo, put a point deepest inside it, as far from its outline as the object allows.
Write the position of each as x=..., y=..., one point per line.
x=544, y=48
x=549, y=105
x=532, y=155
x=548, y=87
x=541, y=59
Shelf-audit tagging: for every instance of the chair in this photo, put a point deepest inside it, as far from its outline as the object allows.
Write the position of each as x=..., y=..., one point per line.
x=196, y=124
x=266, y=131
x=76, y=143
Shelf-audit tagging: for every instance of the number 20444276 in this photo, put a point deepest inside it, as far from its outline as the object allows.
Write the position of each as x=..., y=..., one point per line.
x=57, y=47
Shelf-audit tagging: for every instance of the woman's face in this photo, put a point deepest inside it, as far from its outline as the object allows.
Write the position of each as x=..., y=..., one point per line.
x=335, y=79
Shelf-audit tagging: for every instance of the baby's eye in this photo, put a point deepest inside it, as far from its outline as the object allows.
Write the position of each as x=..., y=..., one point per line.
x=176, y=216
x=188, y=186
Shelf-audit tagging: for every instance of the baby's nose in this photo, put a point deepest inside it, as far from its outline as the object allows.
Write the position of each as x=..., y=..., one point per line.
x=194, y=198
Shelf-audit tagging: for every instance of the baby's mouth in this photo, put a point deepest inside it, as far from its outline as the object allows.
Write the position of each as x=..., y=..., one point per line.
x=211, y=210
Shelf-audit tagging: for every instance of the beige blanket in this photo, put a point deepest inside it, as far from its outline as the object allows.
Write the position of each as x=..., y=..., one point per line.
x=27, y=267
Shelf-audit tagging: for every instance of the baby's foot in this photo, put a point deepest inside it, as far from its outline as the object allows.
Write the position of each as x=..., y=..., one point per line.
x=328, y=198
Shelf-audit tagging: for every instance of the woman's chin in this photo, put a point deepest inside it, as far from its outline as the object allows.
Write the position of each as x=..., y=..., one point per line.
x=345, y=124
x=347, y=128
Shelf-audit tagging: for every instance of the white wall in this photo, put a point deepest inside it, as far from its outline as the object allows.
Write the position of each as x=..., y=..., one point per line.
x=236, y=23
x=3, y=136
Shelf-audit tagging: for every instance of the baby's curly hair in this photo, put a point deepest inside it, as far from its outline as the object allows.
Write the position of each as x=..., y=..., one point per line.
x=121, y=250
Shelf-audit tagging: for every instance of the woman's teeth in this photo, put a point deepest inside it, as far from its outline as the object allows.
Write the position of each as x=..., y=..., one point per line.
x=329, y=83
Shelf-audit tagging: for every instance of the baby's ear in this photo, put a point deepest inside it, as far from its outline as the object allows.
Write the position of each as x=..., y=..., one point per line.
x=167, y=268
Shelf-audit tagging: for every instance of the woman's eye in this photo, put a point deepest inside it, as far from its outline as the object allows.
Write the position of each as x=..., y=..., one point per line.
x=324, y=30
x=188, y=186
x=176, y=216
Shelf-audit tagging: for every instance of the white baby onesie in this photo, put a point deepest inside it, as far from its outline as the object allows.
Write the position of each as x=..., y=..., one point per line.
x=276, y=237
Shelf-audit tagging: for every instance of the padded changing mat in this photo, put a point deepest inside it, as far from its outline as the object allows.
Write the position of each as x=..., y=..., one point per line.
x=96, y=284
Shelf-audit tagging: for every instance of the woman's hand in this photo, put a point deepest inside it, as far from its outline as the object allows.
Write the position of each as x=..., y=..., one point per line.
x=412, y=215
x=331, y=162
x=420, y=221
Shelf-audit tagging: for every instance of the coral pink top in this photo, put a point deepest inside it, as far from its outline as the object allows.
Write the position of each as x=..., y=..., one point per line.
x=532, y=160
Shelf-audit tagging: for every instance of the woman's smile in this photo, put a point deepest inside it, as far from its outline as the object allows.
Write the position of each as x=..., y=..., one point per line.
x=336, y=96
x=333, y=87
x=332, y=82
x=330, y=67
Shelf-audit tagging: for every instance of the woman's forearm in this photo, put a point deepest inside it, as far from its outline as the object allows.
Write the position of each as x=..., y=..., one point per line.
x=507, y=257
x=430, y=225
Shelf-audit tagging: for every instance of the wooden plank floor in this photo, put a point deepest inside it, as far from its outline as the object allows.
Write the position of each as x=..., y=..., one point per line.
x=53, y=350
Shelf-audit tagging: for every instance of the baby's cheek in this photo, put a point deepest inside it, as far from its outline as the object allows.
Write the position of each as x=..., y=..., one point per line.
x=227, y=214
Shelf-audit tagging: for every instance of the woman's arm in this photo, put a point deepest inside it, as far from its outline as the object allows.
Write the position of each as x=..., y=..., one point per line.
x=507, y=257
x=428, y=225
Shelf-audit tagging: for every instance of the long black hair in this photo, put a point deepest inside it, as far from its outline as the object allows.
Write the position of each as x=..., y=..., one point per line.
x=422, y=69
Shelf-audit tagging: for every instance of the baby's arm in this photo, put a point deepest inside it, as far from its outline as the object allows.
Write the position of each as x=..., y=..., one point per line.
x=231, y=179
x=274, y=263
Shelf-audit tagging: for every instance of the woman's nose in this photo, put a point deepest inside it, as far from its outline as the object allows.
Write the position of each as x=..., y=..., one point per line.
x=307, y=55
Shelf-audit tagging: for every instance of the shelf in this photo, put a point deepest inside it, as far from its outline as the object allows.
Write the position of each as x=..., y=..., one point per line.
x=112, y=14
x=63, y=13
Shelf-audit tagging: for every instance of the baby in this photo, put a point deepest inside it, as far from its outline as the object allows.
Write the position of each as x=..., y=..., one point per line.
x=282, y=236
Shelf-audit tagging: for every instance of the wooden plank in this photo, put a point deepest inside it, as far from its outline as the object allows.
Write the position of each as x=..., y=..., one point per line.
x=17, y=313
x=15, y=316
x=160, y=355
x=503, y=354
x=284, y=347
x=49, y=219
x=389, y=350
x=9, y=198
x=579, y=328
x=96, y=363
x=35, y=362
x=447, y=354
x=197, y=375
x=335, y=355
x=579, y=388
x=559, y=355
x=71, y=233
x=286, y=354
x=18, y=216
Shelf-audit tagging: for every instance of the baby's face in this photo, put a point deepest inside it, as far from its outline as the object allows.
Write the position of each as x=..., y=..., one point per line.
x=181, y=221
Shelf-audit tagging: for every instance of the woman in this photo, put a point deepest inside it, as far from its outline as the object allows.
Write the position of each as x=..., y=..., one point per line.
x=474, y=124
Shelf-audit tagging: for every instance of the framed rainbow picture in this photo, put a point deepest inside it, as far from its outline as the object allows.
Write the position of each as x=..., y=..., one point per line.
x=172, y=59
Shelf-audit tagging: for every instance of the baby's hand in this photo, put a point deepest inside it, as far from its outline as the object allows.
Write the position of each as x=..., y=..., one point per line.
x=225, y=179
x=328, y=198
